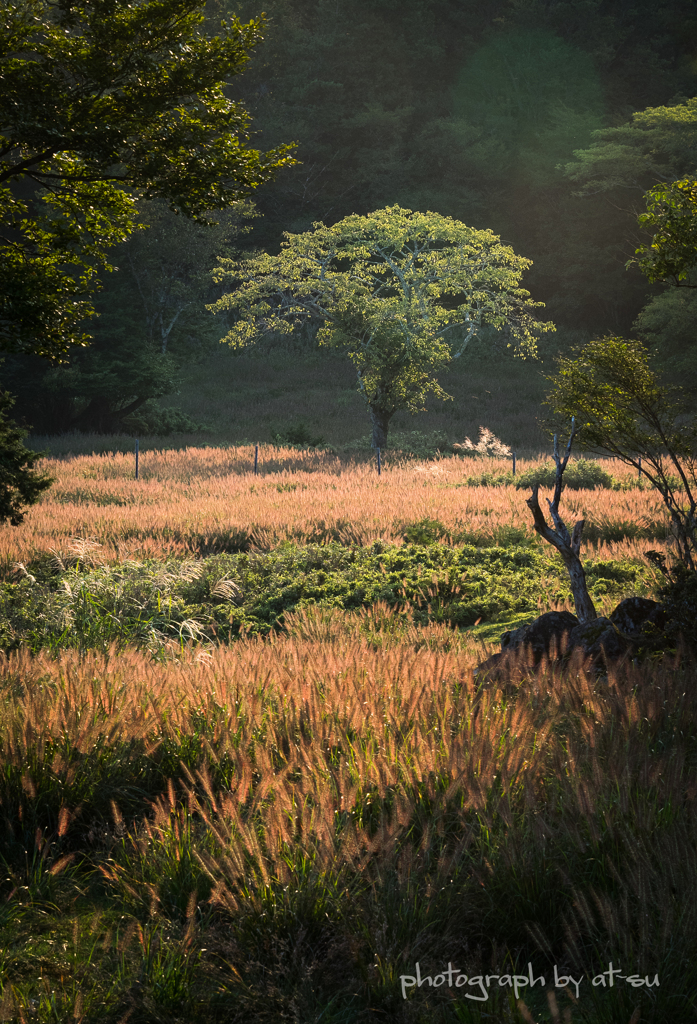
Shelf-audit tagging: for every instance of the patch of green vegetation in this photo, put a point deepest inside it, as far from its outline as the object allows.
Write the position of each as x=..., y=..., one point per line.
x=153, y=419
x=581, y=474
x=298, y=435
x=216, y=598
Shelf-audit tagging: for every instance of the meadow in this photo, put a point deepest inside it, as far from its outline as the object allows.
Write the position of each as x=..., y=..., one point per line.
x=199, y=501
x=247, y=772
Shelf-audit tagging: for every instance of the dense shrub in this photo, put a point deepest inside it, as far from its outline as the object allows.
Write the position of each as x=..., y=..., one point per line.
x=679, y=596
x=150, y=419
x=298, y=435
x=215, y=598
x=410, y=443
x=582, y=474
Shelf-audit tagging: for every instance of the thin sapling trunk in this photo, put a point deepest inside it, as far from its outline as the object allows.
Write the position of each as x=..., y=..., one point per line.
x=568, y=545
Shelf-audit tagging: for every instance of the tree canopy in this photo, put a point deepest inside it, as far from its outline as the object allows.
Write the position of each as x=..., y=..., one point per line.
x=671, y=215
x=401, y=292
x=656, y=144
x=622, y=409
x=101, y=103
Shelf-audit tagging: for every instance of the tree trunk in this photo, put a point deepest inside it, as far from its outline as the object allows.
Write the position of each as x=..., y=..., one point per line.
x=381, y=422
x=568, y=548
x=568, y=545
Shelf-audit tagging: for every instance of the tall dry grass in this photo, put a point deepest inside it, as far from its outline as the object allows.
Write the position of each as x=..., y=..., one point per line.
x=204, y=500
x=315, y=802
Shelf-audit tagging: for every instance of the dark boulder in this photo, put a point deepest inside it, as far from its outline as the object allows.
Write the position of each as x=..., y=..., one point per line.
x=635, y=627
x=636, y=616
x=599, y=640
x=543, y=638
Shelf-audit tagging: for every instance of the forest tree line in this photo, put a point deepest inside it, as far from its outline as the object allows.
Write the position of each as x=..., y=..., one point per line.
x=543, y=122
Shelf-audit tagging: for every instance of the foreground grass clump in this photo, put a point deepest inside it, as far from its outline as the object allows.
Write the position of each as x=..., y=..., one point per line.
x=282, y=830
x=82, y=604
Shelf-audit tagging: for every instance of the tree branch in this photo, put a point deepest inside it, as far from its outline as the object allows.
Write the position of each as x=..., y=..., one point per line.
x=567, y=545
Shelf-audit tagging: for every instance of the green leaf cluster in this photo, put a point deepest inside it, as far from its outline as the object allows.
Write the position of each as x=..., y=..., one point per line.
x=671, y=214
x=101, y=103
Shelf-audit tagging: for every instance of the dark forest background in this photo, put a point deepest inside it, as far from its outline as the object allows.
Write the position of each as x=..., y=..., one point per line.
x=471, y=109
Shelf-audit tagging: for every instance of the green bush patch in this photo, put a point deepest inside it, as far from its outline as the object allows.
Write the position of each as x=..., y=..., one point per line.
x=216, y=598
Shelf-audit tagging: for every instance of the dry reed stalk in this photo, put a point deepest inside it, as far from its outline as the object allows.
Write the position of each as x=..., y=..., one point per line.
x=326, y=721
x=201, y=499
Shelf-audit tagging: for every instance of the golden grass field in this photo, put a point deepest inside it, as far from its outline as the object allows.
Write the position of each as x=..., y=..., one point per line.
x=193, y=501
x=280, y=828
x=349, y=780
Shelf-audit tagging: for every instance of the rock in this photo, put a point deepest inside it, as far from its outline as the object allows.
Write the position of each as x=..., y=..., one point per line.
x=635, y=625
x=632, y=616
x=599, y=640
x=490, y=667
x=543, y=636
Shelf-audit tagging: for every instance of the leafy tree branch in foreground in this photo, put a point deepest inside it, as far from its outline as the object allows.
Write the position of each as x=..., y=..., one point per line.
x=101, y=103
x=622, y=410
x=20, y=484
x=401, y=292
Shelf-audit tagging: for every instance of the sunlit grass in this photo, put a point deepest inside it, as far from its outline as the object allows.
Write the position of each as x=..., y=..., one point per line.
x=282, y=829
x=207, y=500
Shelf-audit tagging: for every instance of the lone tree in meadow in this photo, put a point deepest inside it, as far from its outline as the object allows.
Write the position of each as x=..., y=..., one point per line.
x=402, y=293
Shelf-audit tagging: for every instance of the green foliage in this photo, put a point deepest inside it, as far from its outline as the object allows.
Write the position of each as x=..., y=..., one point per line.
x=298, y=435
x=678, y=595
x=581, y=474
x=668, y=327
x=161, y=422
x=467, y=108
x=99, y=104
x=622, y=409
x=102, y=387
x=671, y=215
x=20, y=484
x=164, y=280
x=401, y=292
x=176, y=603
x=532, y=96
x=417, y=444
x=658, y=144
